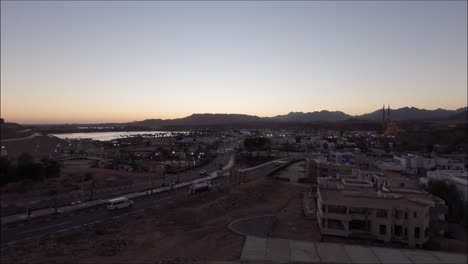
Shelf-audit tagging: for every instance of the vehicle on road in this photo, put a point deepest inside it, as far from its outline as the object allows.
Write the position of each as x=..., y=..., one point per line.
x=200, y=187
x=119, y=203
x=203, y=172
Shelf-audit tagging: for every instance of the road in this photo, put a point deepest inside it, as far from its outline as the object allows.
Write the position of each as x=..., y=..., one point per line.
x=89, y=217
x=65, y=200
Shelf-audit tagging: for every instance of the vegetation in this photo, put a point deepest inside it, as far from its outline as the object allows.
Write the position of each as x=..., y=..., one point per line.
x=257, y=143
x=26, y=168
x=449, y=193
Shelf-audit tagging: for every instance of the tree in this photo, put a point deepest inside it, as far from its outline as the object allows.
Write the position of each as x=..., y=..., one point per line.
x=6, y=171
x=88, y=176
x=449, y=193
x=52, y=168
x=257, y=143
x=25, y=159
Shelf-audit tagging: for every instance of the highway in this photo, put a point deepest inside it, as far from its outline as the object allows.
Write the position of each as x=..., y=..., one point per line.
x=96, y=215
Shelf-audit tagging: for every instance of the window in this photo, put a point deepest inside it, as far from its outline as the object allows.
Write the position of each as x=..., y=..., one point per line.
x=357, y=210
x=426, y=232
x=397, y=214
x=383, y=229
x=406, y=232
x=416, y=232
x=398, y=230
x=360, y=225
x=324, y=208
x=381, y=213
x=406, y=215
x=337, y=209
x=415, y=215
x=335, y=224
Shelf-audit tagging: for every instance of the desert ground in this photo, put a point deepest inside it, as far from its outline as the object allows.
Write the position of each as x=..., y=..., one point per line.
x=195, y=228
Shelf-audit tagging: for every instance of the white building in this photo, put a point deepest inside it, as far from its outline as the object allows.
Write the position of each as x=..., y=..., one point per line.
x=390, y=165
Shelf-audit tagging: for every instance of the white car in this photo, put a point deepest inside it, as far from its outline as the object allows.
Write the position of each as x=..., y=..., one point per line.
x=203, y=172
x=119, y=203
x=200, y=187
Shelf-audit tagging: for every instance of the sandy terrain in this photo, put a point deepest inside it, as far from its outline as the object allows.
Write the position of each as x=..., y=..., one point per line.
x=191, y=229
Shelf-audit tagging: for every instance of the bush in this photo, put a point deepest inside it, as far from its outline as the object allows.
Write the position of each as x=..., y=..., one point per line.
x=26, y=168
x=449, y=193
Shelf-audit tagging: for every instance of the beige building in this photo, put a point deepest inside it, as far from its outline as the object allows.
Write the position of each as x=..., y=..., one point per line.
x=357, y=207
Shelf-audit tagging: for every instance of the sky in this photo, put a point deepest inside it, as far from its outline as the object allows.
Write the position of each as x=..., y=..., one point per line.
x=118, y=61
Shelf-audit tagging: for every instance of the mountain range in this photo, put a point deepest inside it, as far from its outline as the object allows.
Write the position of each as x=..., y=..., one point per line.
x=401, y=114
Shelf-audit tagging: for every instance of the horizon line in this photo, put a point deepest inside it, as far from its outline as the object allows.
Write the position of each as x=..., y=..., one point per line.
x=214, y=113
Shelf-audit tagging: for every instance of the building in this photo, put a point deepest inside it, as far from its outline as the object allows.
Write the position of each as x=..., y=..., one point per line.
x=317, y=168
x=359, y=208
x=389, y=165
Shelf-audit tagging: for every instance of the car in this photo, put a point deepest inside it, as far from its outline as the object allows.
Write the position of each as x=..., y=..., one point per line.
x=200, y=187
x=203, y=172
x=119, y=203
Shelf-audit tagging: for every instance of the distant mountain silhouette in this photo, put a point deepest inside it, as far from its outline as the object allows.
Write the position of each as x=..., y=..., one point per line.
x=199, y=120
x=405, y=113
x=312, y=116
x=292, y=118
x=412, y=113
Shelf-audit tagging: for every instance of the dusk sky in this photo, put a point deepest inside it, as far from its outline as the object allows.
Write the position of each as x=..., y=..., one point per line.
x=89, y=61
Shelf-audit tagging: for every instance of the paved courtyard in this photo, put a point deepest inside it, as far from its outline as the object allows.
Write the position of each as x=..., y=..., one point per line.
x=285, y=251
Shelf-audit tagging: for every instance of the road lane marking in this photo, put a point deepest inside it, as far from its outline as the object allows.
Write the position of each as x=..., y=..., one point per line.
x=163, y=199
x=42, y=228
